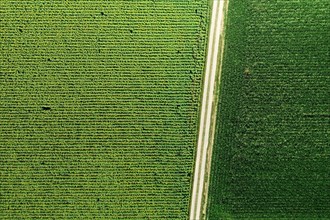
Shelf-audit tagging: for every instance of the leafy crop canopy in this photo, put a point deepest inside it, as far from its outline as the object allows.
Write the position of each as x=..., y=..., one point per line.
x=98, y=107
x=271, y=159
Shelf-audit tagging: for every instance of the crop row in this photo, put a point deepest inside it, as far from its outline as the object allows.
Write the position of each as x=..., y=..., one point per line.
x=98, y=107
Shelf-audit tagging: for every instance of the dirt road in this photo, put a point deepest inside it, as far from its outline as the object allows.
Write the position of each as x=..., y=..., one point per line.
x=208, y=110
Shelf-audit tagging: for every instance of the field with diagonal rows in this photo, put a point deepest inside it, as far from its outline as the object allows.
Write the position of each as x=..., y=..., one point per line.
x=99, y=107
x=271, y=159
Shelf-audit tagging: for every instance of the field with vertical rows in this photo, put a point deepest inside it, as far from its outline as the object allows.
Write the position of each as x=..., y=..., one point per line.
x=272, y=153
x=99, y=107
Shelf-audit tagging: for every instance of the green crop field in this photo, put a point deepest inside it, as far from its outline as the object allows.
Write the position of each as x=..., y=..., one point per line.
x=99, y=107
x=272, y=155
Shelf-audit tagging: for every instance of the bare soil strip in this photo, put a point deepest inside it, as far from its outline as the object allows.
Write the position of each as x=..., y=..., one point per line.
x=208, y=112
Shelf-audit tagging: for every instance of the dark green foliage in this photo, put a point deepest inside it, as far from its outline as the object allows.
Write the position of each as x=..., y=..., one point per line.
x=272, y=153
x=98, y=111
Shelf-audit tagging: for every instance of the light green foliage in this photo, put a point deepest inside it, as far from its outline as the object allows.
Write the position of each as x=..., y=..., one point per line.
x=99, y=107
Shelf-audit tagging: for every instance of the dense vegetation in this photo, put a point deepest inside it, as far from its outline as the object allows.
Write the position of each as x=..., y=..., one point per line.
x=272, y=154
x=99, y=107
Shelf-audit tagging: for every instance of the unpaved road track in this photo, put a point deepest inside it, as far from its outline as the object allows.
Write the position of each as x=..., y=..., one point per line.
x=208, y=109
